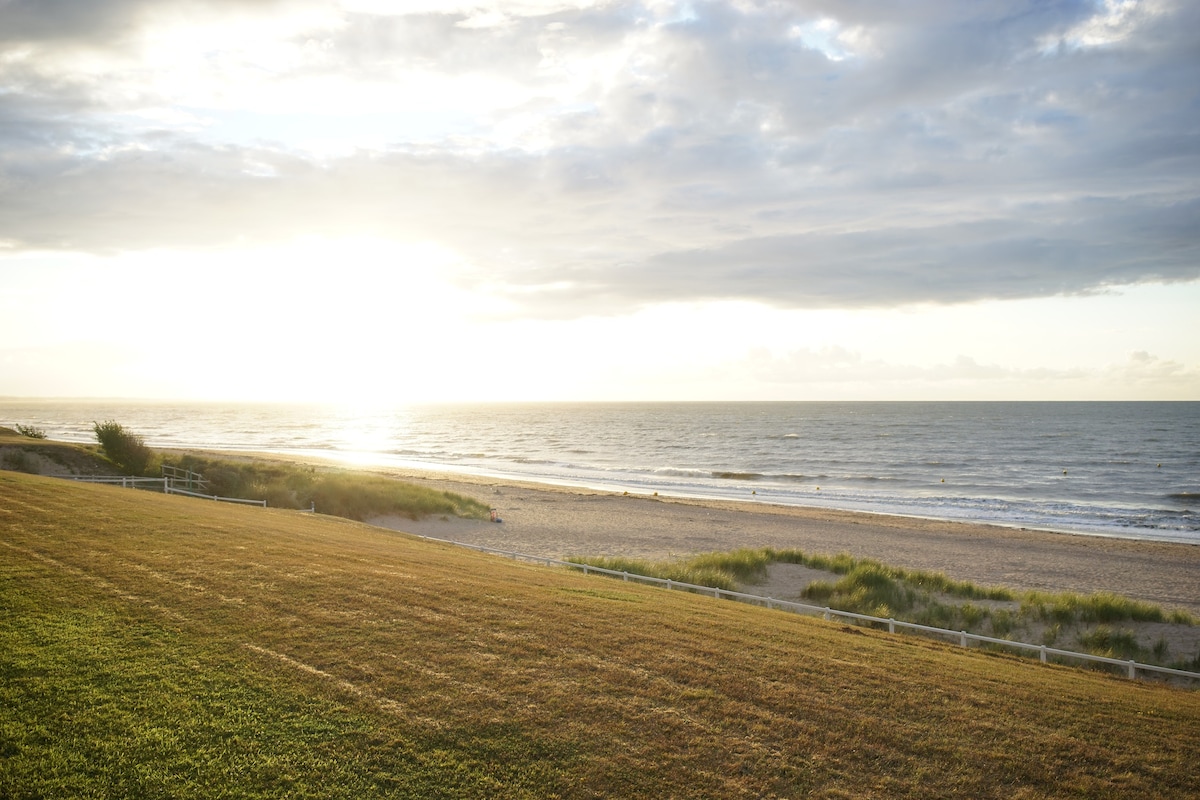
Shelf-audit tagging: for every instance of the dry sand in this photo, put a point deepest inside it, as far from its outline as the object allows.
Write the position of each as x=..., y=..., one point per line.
x=558, y=522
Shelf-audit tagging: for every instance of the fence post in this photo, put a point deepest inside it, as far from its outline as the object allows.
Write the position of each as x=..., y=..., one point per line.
x=963, y=638
x=1132, y=669
x=891, y=625
x=768, y=604
x=1043, y=653
x=625, y=576
x=668, y=583
x=826, y=614
x=166, y=485
x=716, y=592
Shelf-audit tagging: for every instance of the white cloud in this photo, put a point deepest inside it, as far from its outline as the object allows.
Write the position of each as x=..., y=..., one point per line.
x=608, y=159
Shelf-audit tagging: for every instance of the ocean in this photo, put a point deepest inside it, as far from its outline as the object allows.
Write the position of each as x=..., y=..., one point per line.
x=1129, y=470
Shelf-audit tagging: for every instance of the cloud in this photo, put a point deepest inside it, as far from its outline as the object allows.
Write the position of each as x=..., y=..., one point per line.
x=1143, y=368
x=595, y=157
x=838, y=365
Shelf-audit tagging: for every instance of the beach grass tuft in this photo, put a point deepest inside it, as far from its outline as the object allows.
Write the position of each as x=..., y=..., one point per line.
x=869, y=587
x=342, y=493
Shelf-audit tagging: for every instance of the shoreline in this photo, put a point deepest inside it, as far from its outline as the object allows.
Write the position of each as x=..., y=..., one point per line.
x=560, y=521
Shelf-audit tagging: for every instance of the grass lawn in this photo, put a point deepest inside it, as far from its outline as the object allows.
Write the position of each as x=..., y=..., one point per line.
x=156, y=646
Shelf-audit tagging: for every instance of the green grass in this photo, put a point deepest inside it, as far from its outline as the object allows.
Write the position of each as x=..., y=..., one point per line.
x=880, y=590
x=716, y=570
x=283, y=484
x=342, y=493
x=157, y=646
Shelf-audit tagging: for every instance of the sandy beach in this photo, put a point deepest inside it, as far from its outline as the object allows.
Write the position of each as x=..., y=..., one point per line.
x=559, y=522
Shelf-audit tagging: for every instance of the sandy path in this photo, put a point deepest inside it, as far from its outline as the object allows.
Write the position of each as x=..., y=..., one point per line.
x=557, y=522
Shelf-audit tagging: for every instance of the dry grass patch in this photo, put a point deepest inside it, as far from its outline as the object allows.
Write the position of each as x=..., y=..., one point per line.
x=206, y=650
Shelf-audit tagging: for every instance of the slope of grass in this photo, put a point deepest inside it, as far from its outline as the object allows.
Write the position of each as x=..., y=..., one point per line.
x=162, y=646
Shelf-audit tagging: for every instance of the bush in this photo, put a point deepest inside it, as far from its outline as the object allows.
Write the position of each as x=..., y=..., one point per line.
x=125, y=449
x=1110, y=643
x=31, y=431
x=21, y=461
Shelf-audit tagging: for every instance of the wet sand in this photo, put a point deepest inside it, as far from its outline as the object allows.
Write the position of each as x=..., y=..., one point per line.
x=558, y=522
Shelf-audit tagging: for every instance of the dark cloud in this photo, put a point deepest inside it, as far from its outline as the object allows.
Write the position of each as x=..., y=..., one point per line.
x=941, y=152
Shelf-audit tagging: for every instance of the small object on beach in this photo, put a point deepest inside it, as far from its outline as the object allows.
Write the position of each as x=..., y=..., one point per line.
x=943, y=480
x=493, y=513
x=1064, y=472
x=753, y=492
x=656, y=494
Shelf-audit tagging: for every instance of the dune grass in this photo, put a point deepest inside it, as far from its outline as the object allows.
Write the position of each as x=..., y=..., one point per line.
x=163, y=646
x=283, y=484
x=342, y=493
x=929, y=598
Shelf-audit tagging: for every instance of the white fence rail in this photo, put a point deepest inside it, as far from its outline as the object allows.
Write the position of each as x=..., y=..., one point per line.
x=164, y=484
x=179, y=475
x=122, y=480
x=173, y=490
x=1130, y=668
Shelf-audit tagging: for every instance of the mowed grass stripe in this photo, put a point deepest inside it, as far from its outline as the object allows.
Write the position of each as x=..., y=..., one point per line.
x=452, y=673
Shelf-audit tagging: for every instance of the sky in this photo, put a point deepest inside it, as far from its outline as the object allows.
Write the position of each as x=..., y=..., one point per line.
x=384, y=202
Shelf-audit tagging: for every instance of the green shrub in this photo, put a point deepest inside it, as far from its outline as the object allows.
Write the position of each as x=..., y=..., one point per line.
x=123, y=448
x=1107, y=607
x=31, y=431
x=937, y=615
x=745, y=565
x=20, y=461
x=1002, y=623
x=700, y=570
x=819, y=591
x=1105, y=641
x=972, y=614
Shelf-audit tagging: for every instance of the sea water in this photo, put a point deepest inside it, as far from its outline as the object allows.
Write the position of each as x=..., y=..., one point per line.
x=1128, y=470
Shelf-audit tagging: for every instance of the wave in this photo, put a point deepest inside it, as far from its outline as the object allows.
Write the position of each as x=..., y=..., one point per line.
x=682, y=472
x=738, y=476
